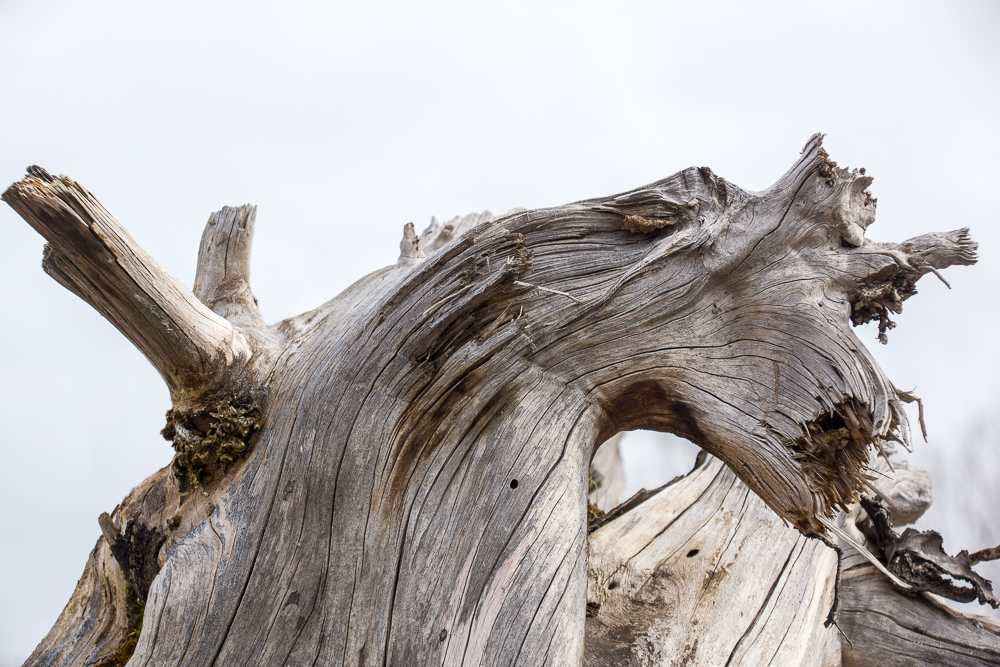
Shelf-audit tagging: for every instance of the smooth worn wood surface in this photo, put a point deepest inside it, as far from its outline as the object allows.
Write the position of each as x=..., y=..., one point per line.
x=412, y=458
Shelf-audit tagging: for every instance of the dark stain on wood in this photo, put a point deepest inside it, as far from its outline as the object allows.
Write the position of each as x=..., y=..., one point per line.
x=137, y=551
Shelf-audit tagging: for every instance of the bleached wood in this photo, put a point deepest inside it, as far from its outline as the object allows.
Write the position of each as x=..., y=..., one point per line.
x=95, y=619
x=222, y=280
x=704, y=573
x=417, y=490
x=888, y=629
x=92, y=255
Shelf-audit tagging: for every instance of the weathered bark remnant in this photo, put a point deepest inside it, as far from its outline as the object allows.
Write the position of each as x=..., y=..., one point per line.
x=136, y=550
x=886, y=627
x=401, y=475
x=919, y=559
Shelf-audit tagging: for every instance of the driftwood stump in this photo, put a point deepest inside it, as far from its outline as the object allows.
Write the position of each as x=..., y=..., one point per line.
x=400, y=476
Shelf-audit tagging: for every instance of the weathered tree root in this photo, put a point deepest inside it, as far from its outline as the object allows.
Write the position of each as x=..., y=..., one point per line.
x=413, y=490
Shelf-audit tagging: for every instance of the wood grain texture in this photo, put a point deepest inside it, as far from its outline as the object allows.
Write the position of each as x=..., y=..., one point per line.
x=92, y=255
x=417, y=491
x=889, y=629
x=704, y=573
x=222, y=279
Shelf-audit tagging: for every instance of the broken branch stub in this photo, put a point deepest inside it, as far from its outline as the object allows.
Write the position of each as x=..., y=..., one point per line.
x=195, y=350
x=419, y=467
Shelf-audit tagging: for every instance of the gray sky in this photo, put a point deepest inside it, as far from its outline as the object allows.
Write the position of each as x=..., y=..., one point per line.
x=344, y=122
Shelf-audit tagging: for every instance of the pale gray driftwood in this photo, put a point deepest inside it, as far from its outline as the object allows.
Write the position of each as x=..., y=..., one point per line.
x=703, y=573
x=196, y=351
x=889, y=629
x=400, y=476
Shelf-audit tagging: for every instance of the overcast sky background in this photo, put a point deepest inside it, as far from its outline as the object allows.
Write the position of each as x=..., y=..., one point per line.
x=342, y=123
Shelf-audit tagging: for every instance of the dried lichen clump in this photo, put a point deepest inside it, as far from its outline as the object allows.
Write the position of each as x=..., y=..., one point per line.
x=593, y=512
x=876, y=301
x=640, y=225
x=207, y=441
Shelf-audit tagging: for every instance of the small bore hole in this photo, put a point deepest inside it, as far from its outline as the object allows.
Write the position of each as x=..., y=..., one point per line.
x=693, y=552
x=513, y=483
x=443, y=635
x=613, y=585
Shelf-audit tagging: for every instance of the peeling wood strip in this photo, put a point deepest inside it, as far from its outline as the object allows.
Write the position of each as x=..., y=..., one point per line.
x=520, y=283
